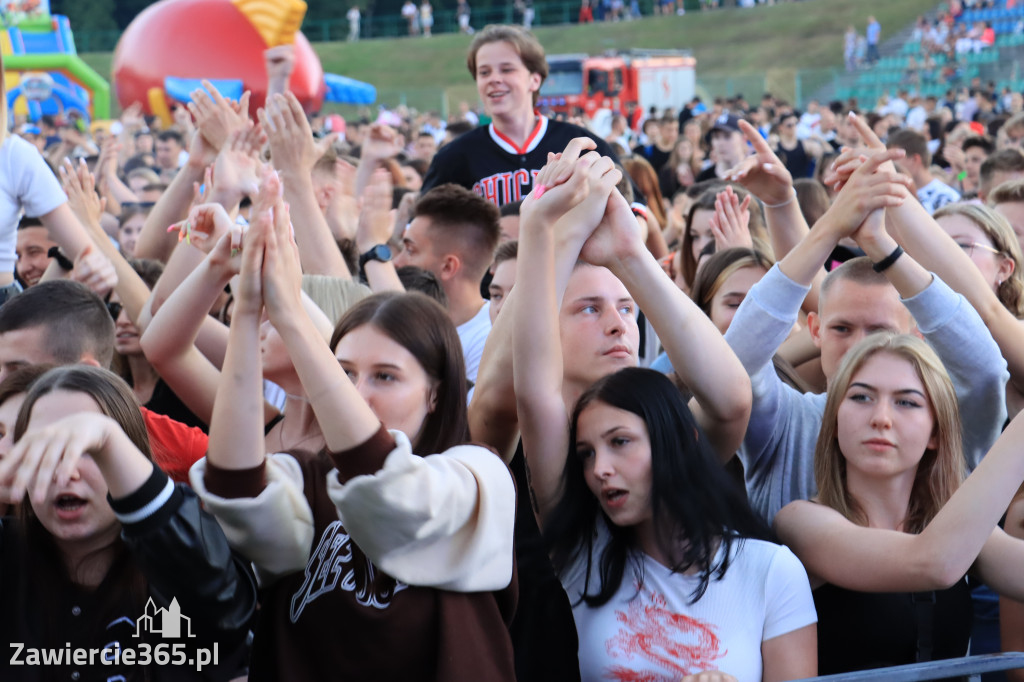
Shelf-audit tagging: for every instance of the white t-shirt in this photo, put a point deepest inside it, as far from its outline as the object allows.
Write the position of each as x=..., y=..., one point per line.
x=473, y=335
x=657, y=636
x=26, y=184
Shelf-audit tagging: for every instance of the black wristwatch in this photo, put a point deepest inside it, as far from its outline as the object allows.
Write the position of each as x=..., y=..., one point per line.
x=381, y=252
x=61, y=259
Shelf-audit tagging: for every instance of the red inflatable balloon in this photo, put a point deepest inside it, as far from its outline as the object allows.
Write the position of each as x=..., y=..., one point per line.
x=204, y=39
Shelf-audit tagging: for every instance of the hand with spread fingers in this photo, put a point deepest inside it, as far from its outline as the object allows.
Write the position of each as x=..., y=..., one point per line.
x=236, y=172
x=50, y=455
x=79, y=185
x=730, y=223
x=293, y=151
x=217, y=117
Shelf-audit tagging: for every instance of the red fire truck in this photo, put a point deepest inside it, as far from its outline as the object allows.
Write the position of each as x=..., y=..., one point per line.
x=642, y=78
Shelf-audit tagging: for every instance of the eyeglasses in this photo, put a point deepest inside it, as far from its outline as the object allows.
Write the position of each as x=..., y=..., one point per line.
x=969, y=247
x=114, y=308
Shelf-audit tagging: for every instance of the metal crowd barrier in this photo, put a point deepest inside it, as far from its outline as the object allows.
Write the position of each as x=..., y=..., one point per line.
x=970, y=667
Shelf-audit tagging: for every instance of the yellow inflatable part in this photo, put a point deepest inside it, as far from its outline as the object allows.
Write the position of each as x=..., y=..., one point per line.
x=277, y=21
x=158, y=105
x=5, y=43
x=11, y=81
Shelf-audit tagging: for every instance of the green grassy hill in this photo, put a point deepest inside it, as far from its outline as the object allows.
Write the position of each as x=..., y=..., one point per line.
x=736, y=49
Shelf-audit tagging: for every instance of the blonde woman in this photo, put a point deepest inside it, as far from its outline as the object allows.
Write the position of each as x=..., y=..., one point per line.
x=892, y=534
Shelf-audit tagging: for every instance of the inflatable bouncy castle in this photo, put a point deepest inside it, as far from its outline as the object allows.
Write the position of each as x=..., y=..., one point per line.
x=174, y=44
x=43, y=72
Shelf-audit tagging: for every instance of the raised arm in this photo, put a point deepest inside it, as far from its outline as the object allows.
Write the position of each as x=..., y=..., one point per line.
x=869, y=189
x=169, y=337
x=928, y=243
x=375, y=226
x=216, y=119
x=87, y=207
x=1011, y=612
x=294, y=152
x=718, y=381
x=536, y=345
x=236, y=426
x=493, y=416
x=330, y=391
x=280, y=62
x=767, y=178
x=110, y=186
x=258, y=500
x=837, y=551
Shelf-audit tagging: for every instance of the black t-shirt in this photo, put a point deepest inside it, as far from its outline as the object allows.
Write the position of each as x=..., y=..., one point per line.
x=494, y=167
x=860, y=630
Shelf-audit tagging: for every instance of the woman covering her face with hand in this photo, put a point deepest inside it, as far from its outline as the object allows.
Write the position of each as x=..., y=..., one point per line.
x=102, y=532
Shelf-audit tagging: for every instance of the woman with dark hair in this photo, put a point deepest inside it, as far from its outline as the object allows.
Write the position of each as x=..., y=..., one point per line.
x=681, y=169
x=651, y=532
x=104, y=537
x=703, y=221
x=130, y=362
x=416, y=323
x=364, y=548
x=666, y=581
x=645, y=178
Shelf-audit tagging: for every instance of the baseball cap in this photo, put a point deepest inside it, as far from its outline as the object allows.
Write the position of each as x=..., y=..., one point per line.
x=726, y=122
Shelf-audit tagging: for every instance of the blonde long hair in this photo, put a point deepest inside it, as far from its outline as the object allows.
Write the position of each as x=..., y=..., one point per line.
x=940, y=471
x=1011, y=290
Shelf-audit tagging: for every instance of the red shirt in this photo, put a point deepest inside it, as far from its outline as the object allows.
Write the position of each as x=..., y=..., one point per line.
x=176, y=446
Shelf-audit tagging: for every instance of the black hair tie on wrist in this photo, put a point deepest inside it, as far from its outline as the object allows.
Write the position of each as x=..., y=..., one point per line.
x=885, y=264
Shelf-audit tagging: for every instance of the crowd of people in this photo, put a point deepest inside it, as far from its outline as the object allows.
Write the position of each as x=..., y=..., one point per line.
x=728, y=392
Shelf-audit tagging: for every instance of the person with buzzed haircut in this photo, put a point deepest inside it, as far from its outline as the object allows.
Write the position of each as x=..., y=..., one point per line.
x=453, y=234
x=931, y=192
x=885, y=291
x=60, y=322
x=1002, y=166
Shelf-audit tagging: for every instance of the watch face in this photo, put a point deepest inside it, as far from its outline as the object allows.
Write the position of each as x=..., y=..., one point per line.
x=382, y=252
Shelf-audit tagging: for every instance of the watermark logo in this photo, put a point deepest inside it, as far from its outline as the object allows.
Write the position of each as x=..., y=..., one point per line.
x=164, y=622
x=168, y=623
